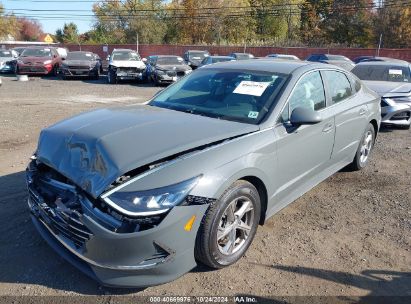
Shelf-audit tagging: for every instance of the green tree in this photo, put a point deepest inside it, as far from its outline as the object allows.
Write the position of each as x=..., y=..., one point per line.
x=8, y=25
x=394, y=24
x=351, y=23
x=313, y=15
x=69, y=33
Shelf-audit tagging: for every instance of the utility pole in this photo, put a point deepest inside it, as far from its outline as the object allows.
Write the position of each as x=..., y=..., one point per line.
x=379, y=46
x=137, y=43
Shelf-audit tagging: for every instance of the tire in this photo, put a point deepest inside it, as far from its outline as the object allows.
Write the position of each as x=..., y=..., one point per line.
x=54, y=72
x=364, y=150
x=96, y=75
x=216, y=251
x=111, y=77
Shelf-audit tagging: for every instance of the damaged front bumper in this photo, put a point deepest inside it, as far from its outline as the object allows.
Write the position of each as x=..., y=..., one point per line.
x=84, y=235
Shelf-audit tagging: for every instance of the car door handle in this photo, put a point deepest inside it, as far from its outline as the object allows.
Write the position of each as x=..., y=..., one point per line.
x=362, y=111
x=327, y=127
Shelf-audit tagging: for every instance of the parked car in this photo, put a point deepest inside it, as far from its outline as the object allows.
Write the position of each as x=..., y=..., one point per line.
x=194, y=57
x=373, y=58
x=8, y=61
x=39, y=60
x=214, y=59
x=136, y=196
x=125, y=64
x=81, y=64
x=241, y=56
x=392, y=81
x=338, y=60
x=166, y=68
x=283, y=56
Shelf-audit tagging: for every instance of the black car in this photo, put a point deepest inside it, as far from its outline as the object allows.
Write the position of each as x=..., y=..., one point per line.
x=338, y=60
x=165, y=68
x=81, y=64
x=241, y=56
x=373, y=58
x=214, y=59
x=194, y=58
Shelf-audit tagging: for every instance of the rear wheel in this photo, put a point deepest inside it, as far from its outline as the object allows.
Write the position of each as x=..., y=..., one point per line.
x=229, y=226
x=364, y=149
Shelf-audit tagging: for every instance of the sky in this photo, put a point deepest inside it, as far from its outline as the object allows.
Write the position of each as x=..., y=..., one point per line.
x=51, y=24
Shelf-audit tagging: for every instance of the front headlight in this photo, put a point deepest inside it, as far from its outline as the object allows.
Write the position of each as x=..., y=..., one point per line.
x=149, y=202
x=20, y=61
x=188, y=72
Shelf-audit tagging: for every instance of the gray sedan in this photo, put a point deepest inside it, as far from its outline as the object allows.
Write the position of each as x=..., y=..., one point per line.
x=391, y=80
x=137, y=196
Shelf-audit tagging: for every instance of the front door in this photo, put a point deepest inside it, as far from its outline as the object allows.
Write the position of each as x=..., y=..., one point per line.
x=303, y=152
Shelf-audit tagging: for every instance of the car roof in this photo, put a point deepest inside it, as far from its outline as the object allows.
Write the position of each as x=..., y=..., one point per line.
x=384, y=63
x=268, y=65
x=40, y=47
x=85, y=52
x=202, y=51
x=218, y=56
x=163, y=56
x=123, y=50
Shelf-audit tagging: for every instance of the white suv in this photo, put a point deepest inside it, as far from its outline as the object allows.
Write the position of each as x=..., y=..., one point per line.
x=125, y=64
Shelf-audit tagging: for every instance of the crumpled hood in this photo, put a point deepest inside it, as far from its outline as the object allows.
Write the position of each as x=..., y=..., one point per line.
x=128, y=64
x=94, y=148
x=173, y=67
x=389, y=88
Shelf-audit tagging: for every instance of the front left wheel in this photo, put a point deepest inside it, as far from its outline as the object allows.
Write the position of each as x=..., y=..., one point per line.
x=229, y=226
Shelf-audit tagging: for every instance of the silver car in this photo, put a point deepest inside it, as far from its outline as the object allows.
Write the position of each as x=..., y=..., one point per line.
x=138, y=195
x=391, y=79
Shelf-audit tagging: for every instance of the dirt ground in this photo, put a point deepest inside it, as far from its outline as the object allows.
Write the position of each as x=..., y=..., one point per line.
x=349, y=236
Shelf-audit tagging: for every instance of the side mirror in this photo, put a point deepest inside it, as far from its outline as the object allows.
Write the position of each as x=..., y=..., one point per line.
x=63, y=58
x=304, y=116
x=108, y=58
x=54, y=56
x=144, y=60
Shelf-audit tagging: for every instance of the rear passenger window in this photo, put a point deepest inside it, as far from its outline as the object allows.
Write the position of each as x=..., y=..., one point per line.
x=338, y=84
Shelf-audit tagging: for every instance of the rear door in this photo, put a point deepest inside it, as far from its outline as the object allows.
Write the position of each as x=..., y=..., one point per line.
x=350, y=113
x=303, y=152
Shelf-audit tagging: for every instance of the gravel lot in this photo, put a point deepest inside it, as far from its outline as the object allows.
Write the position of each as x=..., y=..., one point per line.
x=349, y=236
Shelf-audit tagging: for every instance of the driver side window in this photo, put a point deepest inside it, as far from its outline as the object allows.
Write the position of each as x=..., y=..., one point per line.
x=308, y=93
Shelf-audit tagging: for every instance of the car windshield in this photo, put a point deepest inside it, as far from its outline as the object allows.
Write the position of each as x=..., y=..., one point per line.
x=197, y=55
x=243, y=96
x=36, y=53
x=129, y=56
x=382, y=73
x=80, y=56
x=5, y=54
x=170, y=60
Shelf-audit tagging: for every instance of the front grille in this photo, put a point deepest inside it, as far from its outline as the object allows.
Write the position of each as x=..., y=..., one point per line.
x=402, y=116
x=33, y=69
x=171, y=73
x=78, y=67
x=127, y=70
x=63, y=221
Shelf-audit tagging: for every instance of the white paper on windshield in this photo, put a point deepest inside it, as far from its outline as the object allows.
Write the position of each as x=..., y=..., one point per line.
x=196, y=58
x=253, y=114
x=88, y=55
x=251, y=88
x=394, y=72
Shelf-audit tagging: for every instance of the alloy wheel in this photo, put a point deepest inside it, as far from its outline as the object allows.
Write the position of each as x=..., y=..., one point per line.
x=366, y=147
x=235, y=225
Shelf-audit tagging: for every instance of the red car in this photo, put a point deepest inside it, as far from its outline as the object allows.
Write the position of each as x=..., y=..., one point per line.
x=39, y=60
